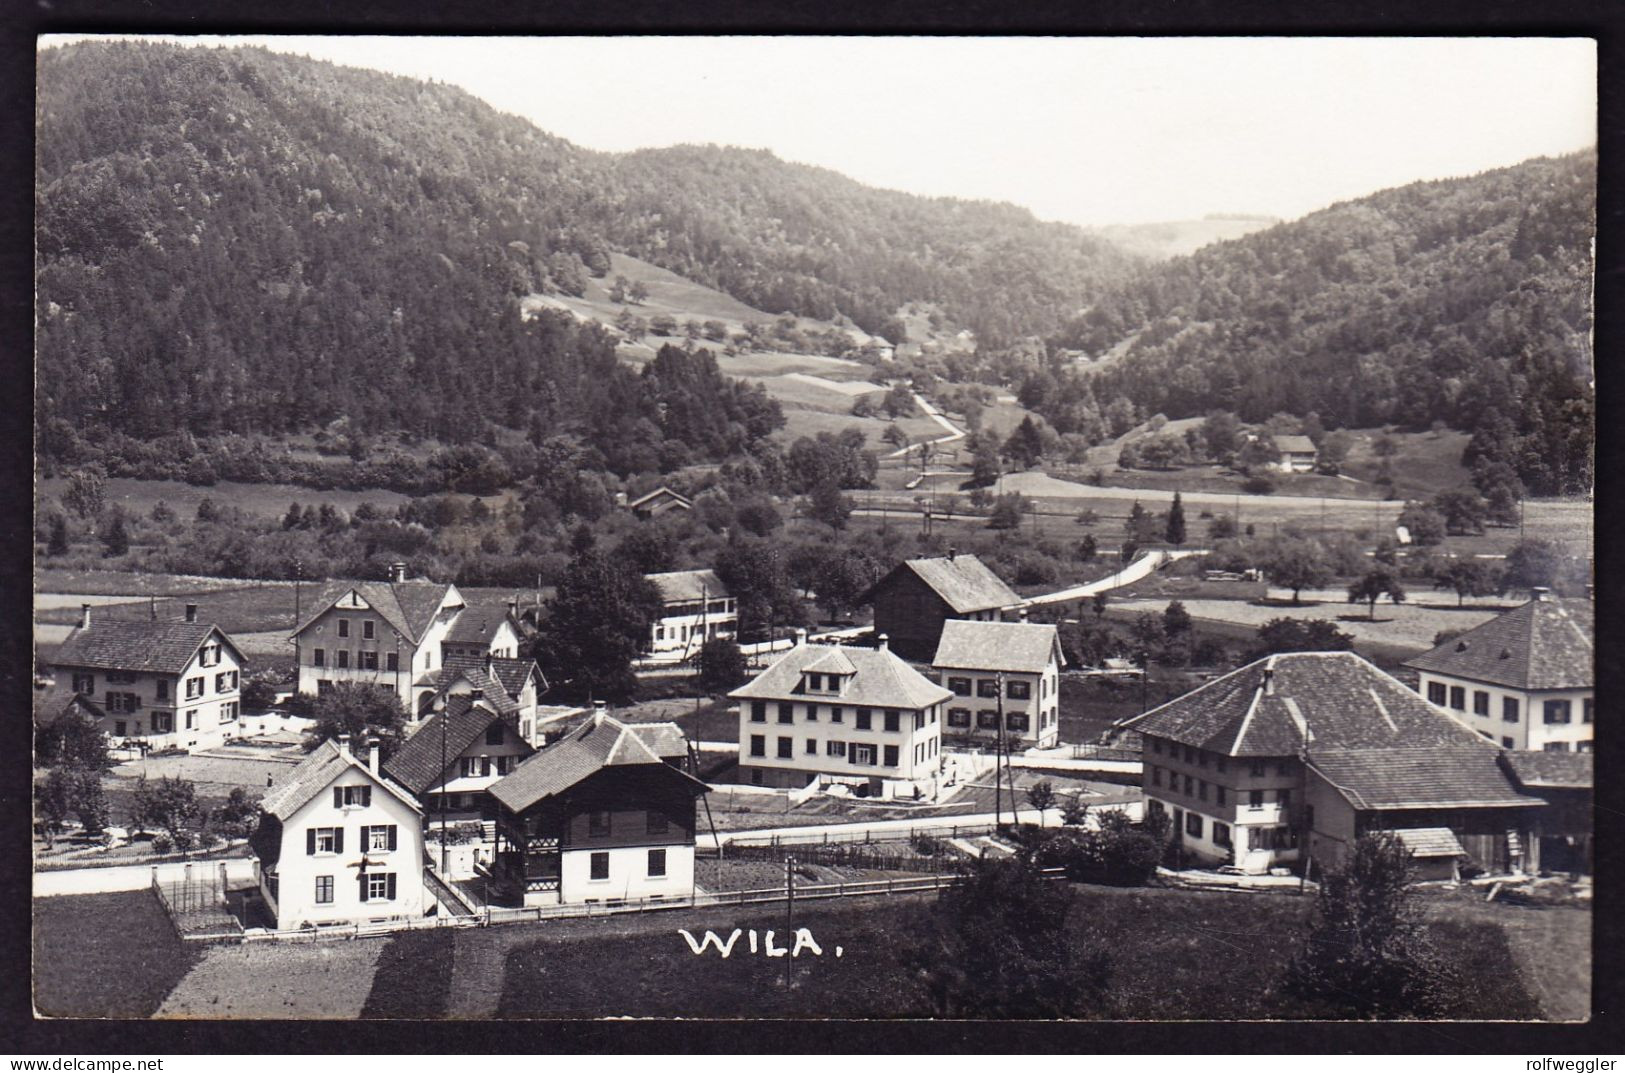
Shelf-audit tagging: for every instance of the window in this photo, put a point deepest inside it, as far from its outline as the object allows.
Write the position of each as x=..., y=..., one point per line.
x=161, y=689
x=835, y=748
x=1018, y=690
x=1016, y=721
x=1557, y=746
x=1156, y=746
x=1201, y=789
x=987, y=687
x=787, y=712
x=228, y=712
x=344, y=657
x=1585, y=710
x=1220, y=795
x=1558, y=711
x=863, y=718
x=318, y=657
x=1582, y=746
x=1255, y=799
x=392, y=661
x=600, y=866
x=891, y=756
x=223, y=682
x=324, y=686
x=657, y=863
x=812, y=713
x=1156, y=775
x=1509, y=709
x=787, y=748
x=1201, y=758
x=1481, y=702
x=1458, y=698
x=344, y=627
x=493, y=734
x=598, y=824
x=835, y=714
x=1221, y=833
x=379, y=839
x=194, y=687
x=863, y=754
x=960, y=687
x=1193, y=824
x=324, y=840
x=367, y=629
x=380, y=887
x=815, y=682
x=1284, y=797
x=211, y=654
x=1219, y=762
x=367, y=660
x=162, y=722
x=324, y=890
x=1190, y=786
x=84, y=683
x=1283, y=767
x=352, y=796
x=123, y=702
x=758, y=745
x=986, y=720
x=1256, y=769
x=891, y=720
x=191, y=719
x=758, y=711
x=1436, y=693
x=120, y=727
x=1507, y=743
x=812, y=746
x=655, y=823
x=958, y=717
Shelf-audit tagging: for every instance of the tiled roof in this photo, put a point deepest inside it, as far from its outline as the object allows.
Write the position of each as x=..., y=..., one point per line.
x=1268, y=707
x=1558, y=771
x=1464, y=776
x=1425, y=842
x=1297, y=445
x=473, y=671
x=137, y=645
x=665, y=740
x=1019, y=647
x=416, y=764
x=964, y=582
x=477, y=625
x=602, y=742
x=408, y=606
x=685, y=586
x=881, y=680
x=832, y=662
x=1545, y=644
x=316, y=773
x=513, y=673
x=51, y=703
x=656, y=494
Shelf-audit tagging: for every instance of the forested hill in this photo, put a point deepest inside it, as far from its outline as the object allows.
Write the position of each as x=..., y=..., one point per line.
x=235, y=238
x=1466, y=301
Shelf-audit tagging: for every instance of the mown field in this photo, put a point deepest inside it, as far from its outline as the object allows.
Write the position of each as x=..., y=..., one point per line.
x=105, y=955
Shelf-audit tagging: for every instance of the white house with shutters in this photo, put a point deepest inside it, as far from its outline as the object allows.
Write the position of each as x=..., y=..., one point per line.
x=338, y=842
x=695, y=607
x=1001, y=670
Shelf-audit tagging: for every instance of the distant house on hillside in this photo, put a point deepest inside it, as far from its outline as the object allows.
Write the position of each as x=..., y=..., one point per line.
x=994, y=667
x=1297, y=454
x=151, y=685
x=918, y=595
x=695, y=607
x=1524, y=679
x=658, y=502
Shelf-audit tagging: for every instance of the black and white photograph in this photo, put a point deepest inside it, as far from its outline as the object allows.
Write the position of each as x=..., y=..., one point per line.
x=933, y=528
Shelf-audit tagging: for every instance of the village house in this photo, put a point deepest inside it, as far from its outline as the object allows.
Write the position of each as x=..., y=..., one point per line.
x=917, y=596
x=1299, y=754
x=512, y=687
x=856, y=716
x=151, y=685
x=603, y=815
x=485, y=629
x=456, y=755
x=339, y=842
x=1524, y=679
x=658, y=502
x=1013, y=668
x=1297, y=454
x=695, y=607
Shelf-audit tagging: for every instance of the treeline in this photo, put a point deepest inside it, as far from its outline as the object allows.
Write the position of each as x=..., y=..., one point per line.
x=1465, y=301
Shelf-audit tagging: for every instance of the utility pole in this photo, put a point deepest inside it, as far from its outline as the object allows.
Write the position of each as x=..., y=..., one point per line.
x=445, y=860
x=789, y=912
x=998, y=754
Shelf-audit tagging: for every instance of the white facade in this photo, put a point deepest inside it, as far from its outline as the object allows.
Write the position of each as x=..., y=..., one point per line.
x=627, y=872
x=1557, y=719
x=317, y=878
x=199, y=708
x=352, y=642
x=684, y=627
x=897, y=746
x=1031, y=705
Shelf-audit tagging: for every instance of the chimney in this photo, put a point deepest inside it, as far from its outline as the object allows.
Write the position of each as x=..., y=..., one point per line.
x=952, y=551
x=344, y=744
x=801, y=636
x=513, y=606
x=599, y=710
x=1269, y=681
x=191, y=612
x=883, y=643
x=84, y=616
x=1021, y=614
x=488, y=661
x=372, y=753
x=397, y=572
x=1541, y=593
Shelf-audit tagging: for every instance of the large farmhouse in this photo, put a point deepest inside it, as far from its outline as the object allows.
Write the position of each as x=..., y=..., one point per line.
x=913, y=601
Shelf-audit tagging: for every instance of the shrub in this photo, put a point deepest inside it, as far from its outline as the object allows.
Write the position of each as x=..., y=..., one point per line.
x=1258, y=485
x=162, y=843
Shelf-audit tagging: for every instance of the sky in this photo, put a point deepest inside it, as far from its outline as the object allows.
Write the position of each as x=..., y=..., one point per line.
x=1089, y=131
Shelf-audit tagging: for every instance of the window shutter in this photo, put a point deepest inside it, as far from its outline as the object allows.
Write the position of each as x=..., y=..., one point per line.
x=391, y=888
x=366, y=796
x=338, y=797
x=391, y=836
x=310, y=841
x=338, y=840
x=365, y=842
x=362, y=880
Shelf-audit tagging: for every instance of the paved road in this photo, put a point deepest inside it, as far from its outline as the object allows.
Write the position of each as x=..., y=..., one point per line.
x=129, y=877
x=934, y=414
x=1142, y=567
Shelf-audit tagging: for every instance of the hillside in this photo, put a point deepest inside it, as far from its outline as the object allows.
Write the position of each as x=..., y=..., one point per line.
x=1465, y=301
x=1176, y=238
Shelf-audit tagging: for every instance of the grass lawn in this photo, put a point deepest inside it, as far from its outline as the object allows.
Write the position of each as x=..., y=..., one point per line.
x=413, y=976
x=1090, y=705
x=329, y=980
x=1402, y=625
x=105, y=955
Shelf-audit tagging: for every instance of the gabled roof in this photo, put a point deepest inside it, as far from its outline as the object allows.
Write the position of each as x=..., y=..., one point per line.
x=315, y=774
x=410, y=607
x=1016, y=647
x=416, y=764
x=649, y=497
x=1328, y=700
x=1296, y=445
x=833, y=662
x=138, y=645
x=473, y=671
x=665, y=740
x=1545, y=644
x=964, y=582
x=684, y=586
x=477, y=625
x=52, y=703
x=1556, y=771
x=602, y=742
x=1426, y=842
x=1462, y=776
x=513, y=673
x=879, y=679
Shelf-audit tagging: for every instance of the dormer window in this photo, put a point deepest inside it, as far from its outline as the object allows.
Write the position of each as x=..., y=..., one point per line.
x=815, y=683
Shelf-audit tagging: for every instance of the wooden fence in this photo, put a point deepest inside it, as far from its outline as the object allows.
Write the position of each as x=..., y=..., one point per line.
x=196, y=904
x=855, y=855
x=827, y=837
